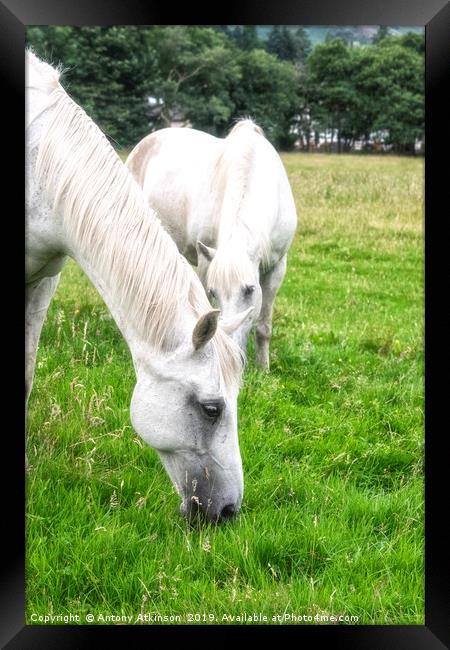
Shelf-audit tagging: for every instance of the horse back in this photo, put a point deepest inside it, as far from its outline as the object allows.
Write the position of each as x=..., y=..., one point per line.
x=174, y=166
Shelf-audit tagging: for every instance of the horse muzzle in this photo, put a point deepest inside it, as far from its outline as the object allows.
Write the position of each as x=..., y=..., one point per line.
x=196, y=507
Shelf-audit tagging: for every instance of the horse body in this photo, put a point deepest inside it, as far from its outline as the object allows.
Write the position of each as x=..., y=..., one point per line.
x=186, y=210
x=228, y=206
x=82, y=202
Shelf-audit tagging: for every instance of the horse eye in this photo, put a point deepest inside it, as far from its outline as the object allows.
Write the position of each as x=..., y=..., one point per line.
x=212, y=293
x=249, y=289
x=211, y=410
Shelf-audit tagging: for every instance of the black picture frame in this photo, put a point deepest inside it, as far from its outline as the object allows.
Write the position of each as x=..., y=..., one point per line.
x=434, y=15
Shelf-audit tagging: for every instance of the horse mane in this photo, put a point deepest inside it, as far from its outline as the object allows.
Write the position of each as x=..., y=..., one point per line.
x=231, y=180
x=247, y=123
x=229, y=267
x=105, y=212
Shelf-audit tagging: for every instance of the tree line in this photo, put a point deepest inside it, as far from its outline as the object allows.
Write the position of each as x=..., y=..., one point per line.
x=134, y=79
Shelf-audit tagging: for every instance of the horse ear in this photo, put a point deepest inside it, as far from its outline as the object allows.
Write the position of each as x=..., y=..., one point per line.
x=230, y=325
x=205, y=328
x=206, y=251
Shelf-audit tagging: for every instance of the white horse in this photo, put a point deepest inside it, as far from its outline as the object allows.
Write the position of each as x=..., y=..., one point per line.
x=82, y=202
x=228, y=205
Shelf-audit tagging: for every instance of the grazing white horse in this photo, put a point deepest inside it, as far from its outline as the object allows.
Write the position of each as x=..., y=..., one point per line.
x=82, y=202
x=228, y=205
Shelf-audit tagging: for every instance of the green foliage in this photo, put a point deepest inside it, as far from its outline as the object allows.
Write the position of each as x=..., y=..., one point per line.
x=336, y=102
x=289, y=45
x=358, y=91
x=332, y=521
x=246, y=37
x=263, y=76
x=390, y=86
x=382, y=33
x=210, y=76
x=212, y=82
x=197, y=67
x=108, y=73
x=414, y=41
x=303, y=44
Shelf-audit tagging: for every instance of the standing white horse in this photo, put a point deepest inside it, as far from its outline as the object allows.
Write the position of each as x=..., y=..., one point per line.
x=228, y=206
x=82, y=202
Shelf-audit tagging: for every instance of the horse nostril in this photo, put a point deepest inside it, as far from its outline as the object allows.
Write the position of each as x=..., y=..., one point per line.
x=228, y=511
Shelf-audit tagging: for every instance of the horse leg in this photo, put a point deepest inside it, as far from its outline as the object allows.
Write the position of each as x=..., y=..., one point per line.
x=270, y=283
x=37, y=300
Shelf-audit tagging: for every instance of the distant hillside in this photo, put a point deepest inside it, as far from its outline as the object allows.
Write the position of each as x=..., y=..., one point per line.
x=359, y=33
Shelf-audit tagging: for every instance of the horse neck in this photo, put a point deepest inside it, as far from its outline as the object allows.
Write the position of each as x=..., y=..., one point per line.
x=240, y=231
x=121, y=255
x=242, y=206
x=114, y=294
x=139, y=344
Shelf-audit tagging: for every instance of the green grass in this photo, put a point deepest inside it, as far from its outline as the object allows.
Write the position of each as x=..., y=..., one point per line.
x=331, y=439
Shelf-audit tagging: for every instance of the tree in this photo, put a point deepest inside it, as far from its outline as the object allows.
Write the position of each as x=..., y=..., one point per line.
x=390, y=81
x=305, y=118
x=289, y=45
x=414, y=41
x=303, y=44
x=108, y=72
x=382, y=32
x=246, y=37
x=224, y=29
x=335, y=102
x=196, y=66
x=281, y=43
x=211, y=76
x=267, y=91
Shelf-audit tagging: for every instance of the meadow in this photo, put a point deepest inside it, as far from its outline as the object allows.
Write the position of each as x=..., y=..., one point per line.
x=331, y=438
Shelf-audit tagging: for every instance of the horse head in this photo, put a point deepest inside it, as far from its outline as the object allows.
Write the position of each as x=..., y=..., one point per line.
x=184, y=405
x=232, y=283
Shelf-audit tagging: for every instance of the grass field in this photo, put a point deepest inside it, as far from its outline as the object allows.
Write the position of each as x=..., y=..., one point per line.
x=331, y=439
